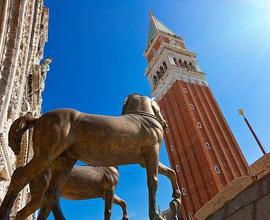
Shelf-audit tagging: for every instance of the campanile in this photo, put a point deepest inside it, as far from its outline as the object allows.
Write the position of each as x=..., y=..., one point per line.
x=201, y=147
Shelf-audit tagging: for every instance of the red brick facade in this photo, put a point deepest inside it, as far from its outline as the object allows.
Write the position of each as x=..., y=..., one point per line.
x=157, y=42
x=200, y=144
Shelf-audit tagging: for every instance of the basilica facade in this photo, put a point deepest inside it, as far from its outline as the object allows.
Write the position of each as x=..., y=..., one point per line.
x=23, y=69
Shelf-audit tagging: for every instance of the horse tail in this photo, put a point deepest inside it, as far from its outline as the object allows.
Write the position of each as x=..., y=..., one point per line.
x=18, y=127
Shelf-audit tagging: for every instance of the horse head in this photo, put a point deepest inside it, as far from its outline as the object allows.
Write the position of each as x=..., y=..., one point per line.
x=136, y=103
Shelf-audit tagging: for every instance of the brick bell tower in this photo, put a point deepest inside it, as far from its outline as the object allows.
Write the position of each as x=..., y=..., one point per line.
x=201, y=147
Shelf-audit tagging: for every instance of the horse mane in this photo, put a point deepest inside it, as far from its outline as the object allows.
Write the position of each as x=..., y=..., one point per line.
x=135, y=93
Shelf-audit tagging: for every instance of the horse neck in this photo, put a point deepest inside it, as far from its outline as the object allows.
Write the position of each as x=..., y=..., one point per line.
x=139, y=108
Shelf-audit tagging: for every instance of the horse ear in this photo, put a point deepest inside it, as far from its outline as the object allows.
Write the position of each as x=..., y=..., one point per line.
x=124, y=105
x=125, y=102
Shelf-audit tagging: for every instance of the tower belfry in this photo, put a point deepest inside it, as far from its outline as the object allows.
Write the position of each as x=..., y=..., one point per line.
x=199, y=142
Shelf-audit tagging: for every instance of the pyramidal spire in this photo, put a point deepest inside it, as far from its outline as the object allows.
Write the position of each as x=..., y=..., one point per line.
x=155, y=26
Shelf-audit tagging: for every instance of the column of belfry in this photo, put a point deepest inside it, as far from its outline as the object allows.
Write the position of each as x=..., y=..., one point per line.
x=199, y=142
x=23, y=34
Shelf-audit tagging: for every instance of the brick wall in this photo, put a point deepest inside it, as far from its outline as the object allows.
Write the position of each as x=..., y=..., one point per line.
x=194, y=120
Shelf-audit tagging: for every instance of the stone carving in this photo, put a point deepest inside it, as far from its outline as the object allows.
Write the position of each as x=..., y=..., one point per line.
x=24, y=30
x=134, y=137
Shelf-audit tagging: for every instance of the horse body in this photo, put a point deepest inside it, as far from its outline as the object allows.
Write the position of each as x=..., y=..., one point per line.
x=134, y=137
x=86, y=182
x=99, y=140
x=80, y=183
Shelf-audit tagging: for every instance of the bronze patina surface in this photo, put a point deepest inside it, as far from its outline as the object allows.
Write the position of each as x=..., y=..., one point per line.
x=84, y=182
x=134, y=137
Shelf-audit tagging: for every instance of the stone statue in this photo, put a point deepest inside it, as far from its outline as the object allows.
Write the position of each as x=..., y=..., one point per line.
x=134, y=137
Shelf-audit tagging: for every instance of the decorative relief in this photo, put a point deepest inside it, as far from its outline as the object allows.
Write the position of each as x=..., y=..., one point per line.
x=9, y=49
x=30, y=34
x=19, y=80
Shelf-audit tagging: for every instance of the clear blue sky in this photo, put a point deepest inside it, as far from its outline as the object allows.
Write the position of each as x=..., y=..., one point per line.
x=97, y=49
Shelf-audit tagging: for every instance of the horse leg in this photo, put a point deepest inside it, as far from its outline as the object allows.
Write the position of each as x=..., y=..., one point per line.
x=45, y=209
x=38, y=187
x=168, y=172
x=151, y=163
x=109, y=195
x=61, y=171
x=19, y=179
x=122, y=204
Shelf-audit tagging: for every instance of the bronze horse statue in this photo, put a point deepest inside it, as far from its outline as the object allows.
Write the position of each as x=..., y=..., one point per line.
x=84, y=182
x=134, y=137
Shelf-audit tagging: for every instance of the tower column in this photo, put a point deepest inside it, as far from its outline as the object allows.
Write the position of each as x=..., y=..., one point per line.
x=199, y=142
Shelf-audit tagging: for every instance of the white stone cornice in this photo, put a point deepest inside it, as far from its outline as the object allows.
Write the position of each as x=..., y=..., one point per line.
x=171, y=77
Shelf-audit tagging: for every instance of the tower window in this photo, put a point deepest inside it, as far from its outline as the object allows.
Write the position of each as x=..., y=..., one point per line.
x=175, y=61
x=158, y=75
x=186, y=65
x=165, y=65
x=161, y=70
x=185, y=90
x=177, y=168
x=172, y=148
x=190, y=216
x=199, y=124
x=155, y=79
x=192, y=106
x=217, y=169
x=207, y=145
x=184, y=191
x=181, y=63
x=192, y=66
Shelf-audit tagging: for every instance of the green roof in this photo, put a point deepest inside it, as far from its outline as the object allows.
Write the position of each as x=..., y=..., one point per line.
x=156, y=25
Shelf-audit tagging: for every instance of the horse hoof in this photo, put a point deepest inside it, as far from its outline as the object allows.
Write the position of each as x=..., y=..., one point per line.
x=125, y=218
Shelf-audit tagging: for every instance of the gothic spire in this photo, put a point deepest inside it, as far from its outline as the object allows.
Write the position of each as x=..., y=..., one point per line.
x=155, y=26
